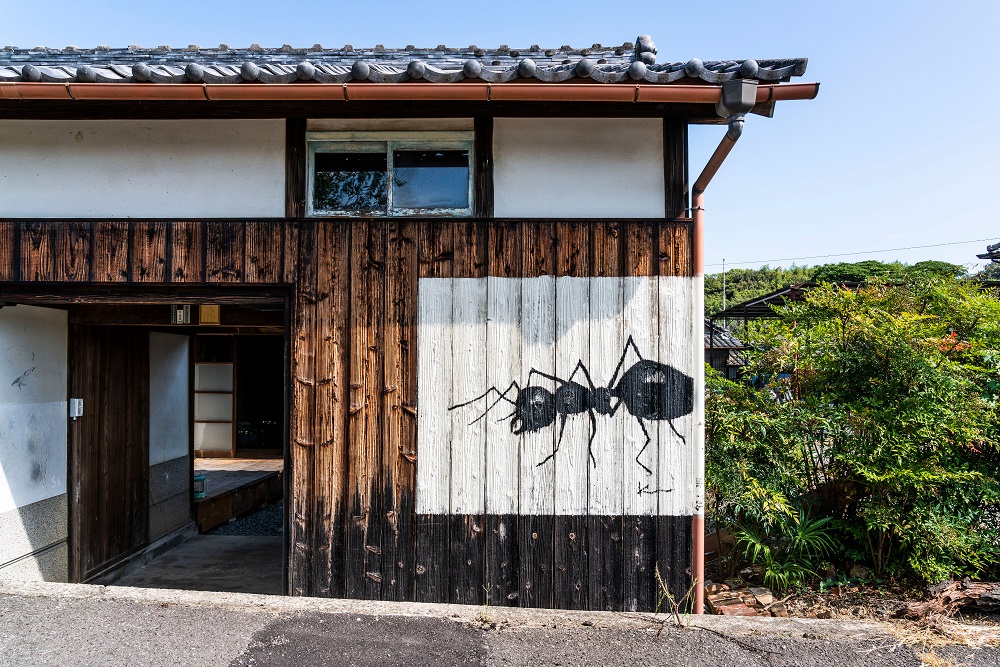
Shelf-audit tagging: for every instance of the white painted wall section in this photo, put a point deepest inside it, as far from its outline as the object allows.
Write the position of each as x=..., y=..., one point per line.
x=142, y=169
x=168, y=397
x=33, y=410
x=578, y=167
x=493, y=341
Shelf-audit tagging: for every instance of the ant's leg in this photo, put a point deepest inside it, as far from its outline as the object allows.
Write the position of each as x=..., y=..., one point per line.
x=629, y=343
x=645, y=444
x=615, y=409
x=562, y=427
x=677, y=433
x=586, y=374
x=593, y=433
x=503, y=395
x=544, y=375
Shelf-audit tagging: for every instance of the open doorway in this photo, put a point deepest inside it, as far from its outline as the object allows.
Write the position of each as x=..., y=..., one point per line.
x=180, y=447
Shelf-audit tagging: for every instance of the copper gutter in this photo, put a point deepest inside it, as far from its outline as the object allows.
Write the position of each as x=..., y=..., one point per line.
x=472, y=91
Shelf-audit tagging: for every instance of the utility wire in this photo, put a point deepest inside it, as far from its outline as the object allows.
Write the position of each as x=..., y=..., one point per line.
x=848, y=254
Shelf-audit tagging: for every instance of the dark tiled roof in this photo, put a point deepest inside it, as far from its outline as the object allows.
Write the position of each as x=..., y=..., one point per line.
x=603, y=64
x=720, y=338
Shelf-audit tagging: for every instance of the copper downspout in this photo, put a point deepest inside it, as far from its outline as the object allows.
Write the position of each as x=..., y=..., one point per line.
x=735, y=101
x=478, y=91
x=698, y=308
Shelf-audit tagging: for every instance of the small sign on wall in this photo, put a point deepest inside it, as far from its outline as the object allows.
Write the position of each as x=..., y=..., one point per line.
x=180, y=314
x=208, y=315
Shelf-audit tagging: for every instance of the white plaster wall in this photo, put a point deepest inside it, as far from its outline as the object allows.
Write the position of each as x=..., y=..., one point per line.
x=32, y=405
x=578, y=167
x=168, y=397
x=142, y=169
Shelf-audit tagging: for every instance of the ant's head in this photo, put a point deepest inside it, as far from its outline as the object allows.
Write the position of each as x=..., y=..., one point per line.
x=600, y=400
x=534, y=409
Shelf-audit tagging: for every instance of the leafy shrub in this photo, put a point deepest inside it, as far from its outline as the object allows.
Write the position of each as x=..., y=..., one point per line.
x=886, y=431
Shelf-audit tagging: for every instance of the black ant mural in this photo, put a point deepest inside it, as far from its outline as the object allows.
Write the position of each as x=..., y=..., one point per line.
x=649, y=390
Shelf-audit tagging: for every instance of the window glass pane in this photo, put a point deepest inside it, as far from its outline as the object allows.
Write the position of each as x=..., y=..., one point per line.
x=213, y=377
x=430, y=179
x=350, y=182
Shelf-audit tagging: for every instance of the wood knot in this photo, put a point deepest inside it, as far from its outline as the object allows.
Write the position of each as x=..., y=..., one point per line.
x=420, y=569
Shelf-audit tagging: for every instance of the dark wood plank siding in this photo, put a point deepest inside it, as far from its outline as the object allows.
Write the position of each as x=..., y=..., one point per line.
x=37, y=262
x=112, y=250
x=435, y=252
x=675, y=167
x=332, y=404
x=73, y=252
x=570, y=578
x=398, y=480
x=605, y=536
x=353, y=522
x=295, y=167
x=641, y=243
x=301, y=515
x=149, y=252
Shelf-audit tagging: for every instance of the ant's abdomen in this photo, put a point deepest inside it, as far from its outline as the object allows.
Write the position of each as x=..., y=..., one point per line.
x=655, y=391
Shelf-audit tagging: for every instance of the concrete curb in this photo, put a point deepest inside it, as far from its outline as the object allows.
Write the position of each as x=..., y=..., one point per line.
x=501, y=617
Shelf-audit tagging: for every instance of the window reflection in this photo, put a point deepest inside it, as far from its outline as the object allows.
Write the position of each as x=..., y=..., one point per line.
x=350, y=182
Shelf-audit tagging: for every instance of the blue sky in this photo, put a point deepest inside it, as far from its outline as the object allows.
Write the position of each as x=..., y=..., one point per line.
x=900, y=149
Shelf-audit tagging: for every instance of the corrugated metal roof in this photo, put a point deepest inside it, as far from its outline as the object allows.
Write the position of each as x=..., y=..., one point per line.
x=164, y=64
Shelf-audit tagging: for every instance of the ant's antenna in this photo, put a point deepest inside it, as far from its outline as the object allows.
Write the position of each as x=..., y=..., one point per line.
x=501, y=396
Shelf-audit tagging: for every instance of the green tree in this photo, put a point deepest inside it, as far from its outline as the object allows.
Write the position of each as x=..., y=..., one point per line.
x=745, y=284
x=887, y=424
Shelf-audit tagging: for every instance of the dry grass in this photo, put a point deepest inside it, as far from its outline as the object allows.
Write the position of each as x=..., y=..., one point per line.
x=940, y=630
x=934, y=660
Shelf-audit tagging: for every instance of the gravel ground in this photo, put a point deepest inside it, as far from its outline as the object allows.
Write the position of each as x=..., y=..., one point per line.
x=267, y=521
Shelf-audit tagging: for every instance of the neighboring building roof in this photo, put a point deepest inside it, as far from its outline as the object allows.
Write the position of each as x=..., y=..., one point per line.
x=763, y=306
x=720, y=338
x=603, y=64
x=992, y=252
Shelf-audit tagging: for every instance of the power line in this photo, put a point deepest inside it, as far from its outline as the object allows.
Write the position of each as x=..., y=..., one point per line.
x=860, y=252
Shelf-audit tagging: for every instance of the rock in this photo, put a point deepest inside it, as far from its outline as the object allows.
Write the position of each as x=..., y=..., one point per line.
x=762, y=595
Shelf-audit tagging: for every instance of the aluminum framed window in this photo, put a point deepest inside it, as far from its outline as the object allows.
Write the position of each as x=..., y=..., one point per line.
x=380, y=174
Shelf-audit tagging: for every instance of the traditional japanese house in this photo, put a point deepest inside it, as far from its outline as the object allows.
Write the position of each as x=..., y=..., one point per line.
x=480, y=270
x=723, y=350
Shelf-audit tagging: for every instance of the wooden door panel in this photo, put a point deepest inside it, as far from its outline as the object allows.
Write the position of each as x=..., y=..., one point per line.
x=109, y=446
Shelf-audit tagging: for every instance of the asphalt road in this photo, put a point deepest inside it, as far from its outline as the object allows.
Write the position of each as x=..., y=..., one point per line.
x=58, y=624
